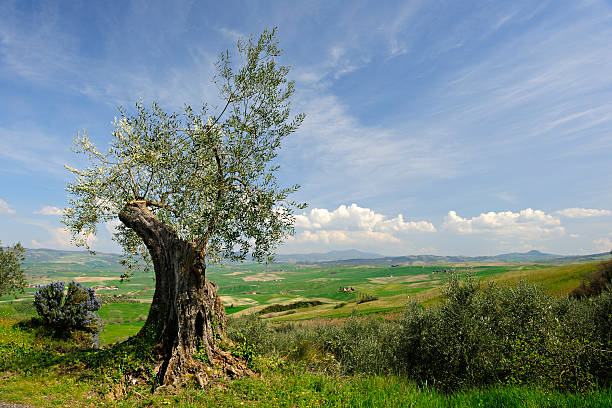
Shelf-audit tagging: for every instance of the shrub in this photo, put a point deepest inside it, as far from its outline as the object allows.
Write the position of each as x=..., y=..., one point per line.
x=363, y=297
x=477, y=336
x=598, y=281
x=65, y=313
x=361, y=344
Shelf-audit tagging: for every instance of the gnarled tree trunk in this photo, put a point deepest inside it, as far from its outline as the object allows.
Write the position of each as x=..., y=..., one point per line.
x=186, y=315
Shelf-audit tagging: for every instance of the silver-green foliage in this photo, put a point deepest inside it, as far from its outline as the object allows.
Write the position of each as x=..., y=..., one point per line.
x=208, y=176
x=12, y=279
x=477, y=336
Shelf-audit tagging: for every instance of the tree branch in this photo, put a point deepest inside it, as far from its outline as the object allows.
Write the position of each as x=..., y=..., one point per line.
x=134, y=185
x=221, y=182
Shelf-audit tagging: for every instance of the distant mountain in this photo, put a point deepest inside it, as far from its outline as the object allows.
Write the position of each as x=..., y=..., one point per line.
x=63, y=257
x=531, y=256
x=350, y=254
x=514, y=257
x=38, y=259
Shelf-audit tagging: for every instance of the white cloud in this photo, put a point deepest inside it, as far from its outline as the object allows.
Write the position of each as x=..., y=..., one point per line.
x=41, y=49
x=354, y=226
x=60, y=239
x=345, y=237
x=232, y=34
x=27, y=149
x=112, y=225
x=583, y=212
x=5, y=208
x=506, y=197
x=528, y=223
x=351, y=160
x=49, y=210
x=603, y=244
x=355, y=218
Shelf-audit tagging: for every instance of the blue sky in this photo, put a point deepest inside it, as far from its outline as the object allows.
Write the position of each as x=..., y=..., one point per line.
x=432, y=127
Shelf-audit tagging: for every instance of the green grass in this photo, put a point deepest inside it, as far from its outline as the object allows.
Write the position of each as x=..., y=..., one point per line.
x=291, y=387
x=116, y=332
x=43, y=372
x=234, y=309
x=248, y=288
x=557, y=280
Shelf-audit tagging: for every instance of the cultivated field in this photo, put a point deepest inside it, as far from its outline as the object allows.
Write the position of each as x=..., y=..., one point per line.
x=304, y=291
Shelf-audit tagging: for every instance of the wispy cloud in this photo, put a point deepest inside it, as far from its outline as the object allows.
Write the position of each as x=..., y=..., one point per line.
x=583, y=212
x=506, y=197
x=43, y=51
x=350, y=156
x=543, y=73
x=5, y=208
x=60, y=238
x=49, y=210
x=28, y=150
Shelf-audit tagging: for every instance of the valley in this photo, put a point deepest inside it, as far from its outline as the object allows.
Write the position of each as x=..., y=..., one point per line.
x=323, y=290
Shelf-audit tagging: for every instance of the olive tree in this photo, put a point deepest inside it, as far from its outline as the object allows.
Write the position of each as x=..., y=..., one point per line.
x=190, y=188
x=12, y=279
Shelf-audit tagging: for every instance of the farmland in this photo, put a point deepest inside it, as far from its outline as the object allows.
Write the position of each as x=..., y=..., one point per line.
x=308, y=354
x=322, y=291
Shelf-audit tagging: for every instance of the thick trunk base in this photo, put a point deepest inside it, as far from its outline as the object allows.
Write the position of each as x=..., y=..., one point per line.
x=186, y=322
x=195, y=347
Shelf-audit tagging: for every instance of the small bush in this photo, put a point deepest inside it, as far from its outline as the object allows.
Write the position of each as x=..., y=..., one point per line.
x=63, y=314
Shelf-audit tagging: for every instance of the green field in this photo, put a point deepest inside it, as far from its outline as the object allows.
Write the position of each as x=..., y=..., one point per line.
x=250, y=288
x=301, y=293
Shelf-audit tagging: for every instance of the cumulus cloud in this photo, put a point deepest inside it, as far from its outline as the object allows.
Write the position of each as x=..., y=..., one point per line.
x=583, y=212
x=603, y=244
x=49, y=210
x=355, y=218
x=5, y=208
x=527, y=222
x=354, y=225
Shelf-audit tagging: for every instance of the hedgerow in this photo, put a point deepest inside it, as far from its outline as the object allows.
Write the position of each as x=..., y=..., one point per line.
x=479, y=335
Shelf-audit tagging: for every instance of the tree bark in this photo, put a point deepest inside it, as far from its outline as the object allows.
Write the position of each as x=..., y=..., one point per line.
x=186, y=315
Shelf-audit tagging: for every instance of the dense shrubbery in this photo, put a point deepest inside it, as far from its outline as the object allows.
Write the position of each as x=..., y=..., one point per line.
x=598, y=281
x=479, y=335
x=64, y=313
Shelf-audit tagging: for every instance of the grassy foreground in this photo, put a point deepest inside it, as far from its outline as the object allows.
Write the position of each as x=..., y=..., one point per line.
x=481, y=345
x=287, y=387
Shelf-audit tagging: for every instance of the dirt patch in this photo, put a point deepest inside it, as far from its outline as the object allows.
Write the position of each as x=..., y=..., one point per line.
x=279, y=300
x=262, y=277
x=230, y=300
x=421, y=284
x=236, y=273
x=95, y=278
x=391, y=280
x=323, y=279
